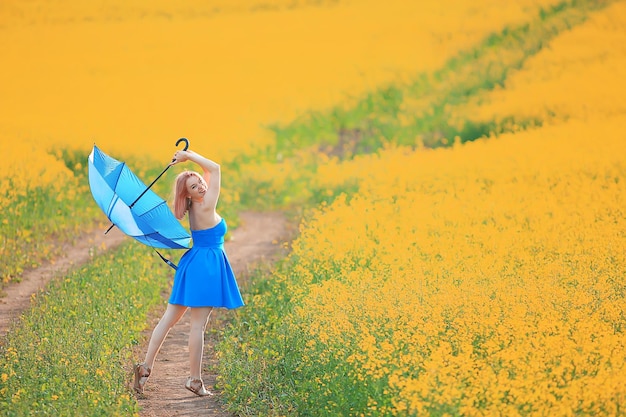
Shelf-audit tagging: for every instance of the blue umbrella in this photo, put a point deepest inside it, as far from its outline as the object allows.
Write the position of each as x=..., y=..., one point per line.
x=132, y=206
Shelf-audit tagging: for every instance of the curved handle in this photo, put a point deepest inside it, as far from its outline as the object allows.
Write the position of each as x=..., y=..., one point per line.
x=183, y=140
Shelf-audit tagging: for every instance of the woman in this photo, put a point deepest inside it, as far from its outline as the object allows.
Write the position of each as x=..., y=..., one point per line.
x=204, y=278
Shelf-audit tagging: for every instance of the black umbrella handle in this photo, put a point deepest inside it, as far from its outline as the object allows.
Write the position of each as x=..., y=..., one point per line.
x=183, y=140
x=163, y=172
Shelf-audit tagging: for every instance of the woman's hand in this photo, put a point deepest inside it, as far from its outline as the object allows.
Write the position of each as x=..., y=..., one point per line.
x=180, y=156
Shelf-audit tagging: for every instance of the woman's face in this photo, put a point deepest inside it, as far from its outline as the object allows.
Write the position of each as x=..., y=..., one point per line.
x=196, y=187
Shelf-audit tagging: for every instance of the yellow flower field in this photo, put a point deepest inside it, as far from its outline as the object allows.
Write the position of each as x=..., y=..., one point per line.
x=479, y=278
x=581, y=75
x=482, y=279
x=488, y=278
x=134, y=77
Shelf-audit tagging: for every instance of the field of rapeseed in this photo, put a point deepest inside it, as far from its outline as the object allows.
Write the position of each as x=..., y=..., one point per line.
x=133, y=78
x=457, y=165
x=483, y=278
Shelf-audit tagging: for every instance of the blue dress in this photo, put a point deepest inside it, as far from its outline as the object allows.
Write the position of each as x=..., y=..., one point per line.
x=204, y=277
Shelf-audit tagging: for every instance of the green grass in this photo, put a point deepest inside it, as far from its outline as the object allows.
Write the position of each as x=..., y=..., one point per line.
x=36, y=227
x=70, y=353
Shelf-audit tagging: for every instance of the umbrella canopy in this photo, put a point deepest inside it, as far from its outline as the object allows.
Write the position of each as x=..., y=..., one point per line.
x=131, y=206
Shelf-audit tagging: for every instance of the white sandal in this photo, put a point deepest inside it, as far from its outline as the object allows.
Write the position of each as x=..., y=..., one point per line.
x=196, y=386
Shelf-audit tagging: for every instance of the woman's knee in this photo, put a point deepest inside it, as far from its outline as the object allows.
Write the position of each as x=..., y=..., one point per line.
x=172, y=315
x=200, y=318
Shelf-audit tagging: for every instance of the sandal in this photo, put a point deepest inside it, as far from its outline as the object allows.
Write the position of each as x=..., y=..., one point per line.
x=196, y=386
x=142, y=372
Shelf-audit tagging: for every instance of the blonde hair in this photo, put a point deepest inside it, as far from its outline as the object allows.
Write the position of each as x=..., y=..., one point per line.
x=181, y=195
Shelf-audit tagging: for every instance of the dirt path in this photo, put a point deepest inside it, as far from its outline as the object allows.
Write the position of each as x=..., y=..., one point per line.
x=257, y=242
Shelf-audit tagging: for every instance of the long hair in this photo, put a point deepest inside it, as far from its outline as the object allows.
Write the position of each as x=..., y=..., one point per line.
x=181, y=196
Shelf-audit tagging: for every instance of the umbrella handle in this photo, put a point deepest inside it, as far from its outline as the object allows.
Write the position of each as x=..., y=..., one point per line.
x=183, y=140
x=184, y=149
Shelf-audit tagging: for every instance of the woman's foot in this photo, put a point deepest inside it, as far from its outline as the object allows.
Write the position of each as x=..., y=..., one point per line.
x=142, y=372
x=196, y=386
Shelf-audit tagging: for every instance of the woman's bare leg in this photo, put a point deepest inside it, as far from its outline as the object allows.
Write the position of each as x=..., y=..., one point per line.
x=172, y=314
x=199, y=320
